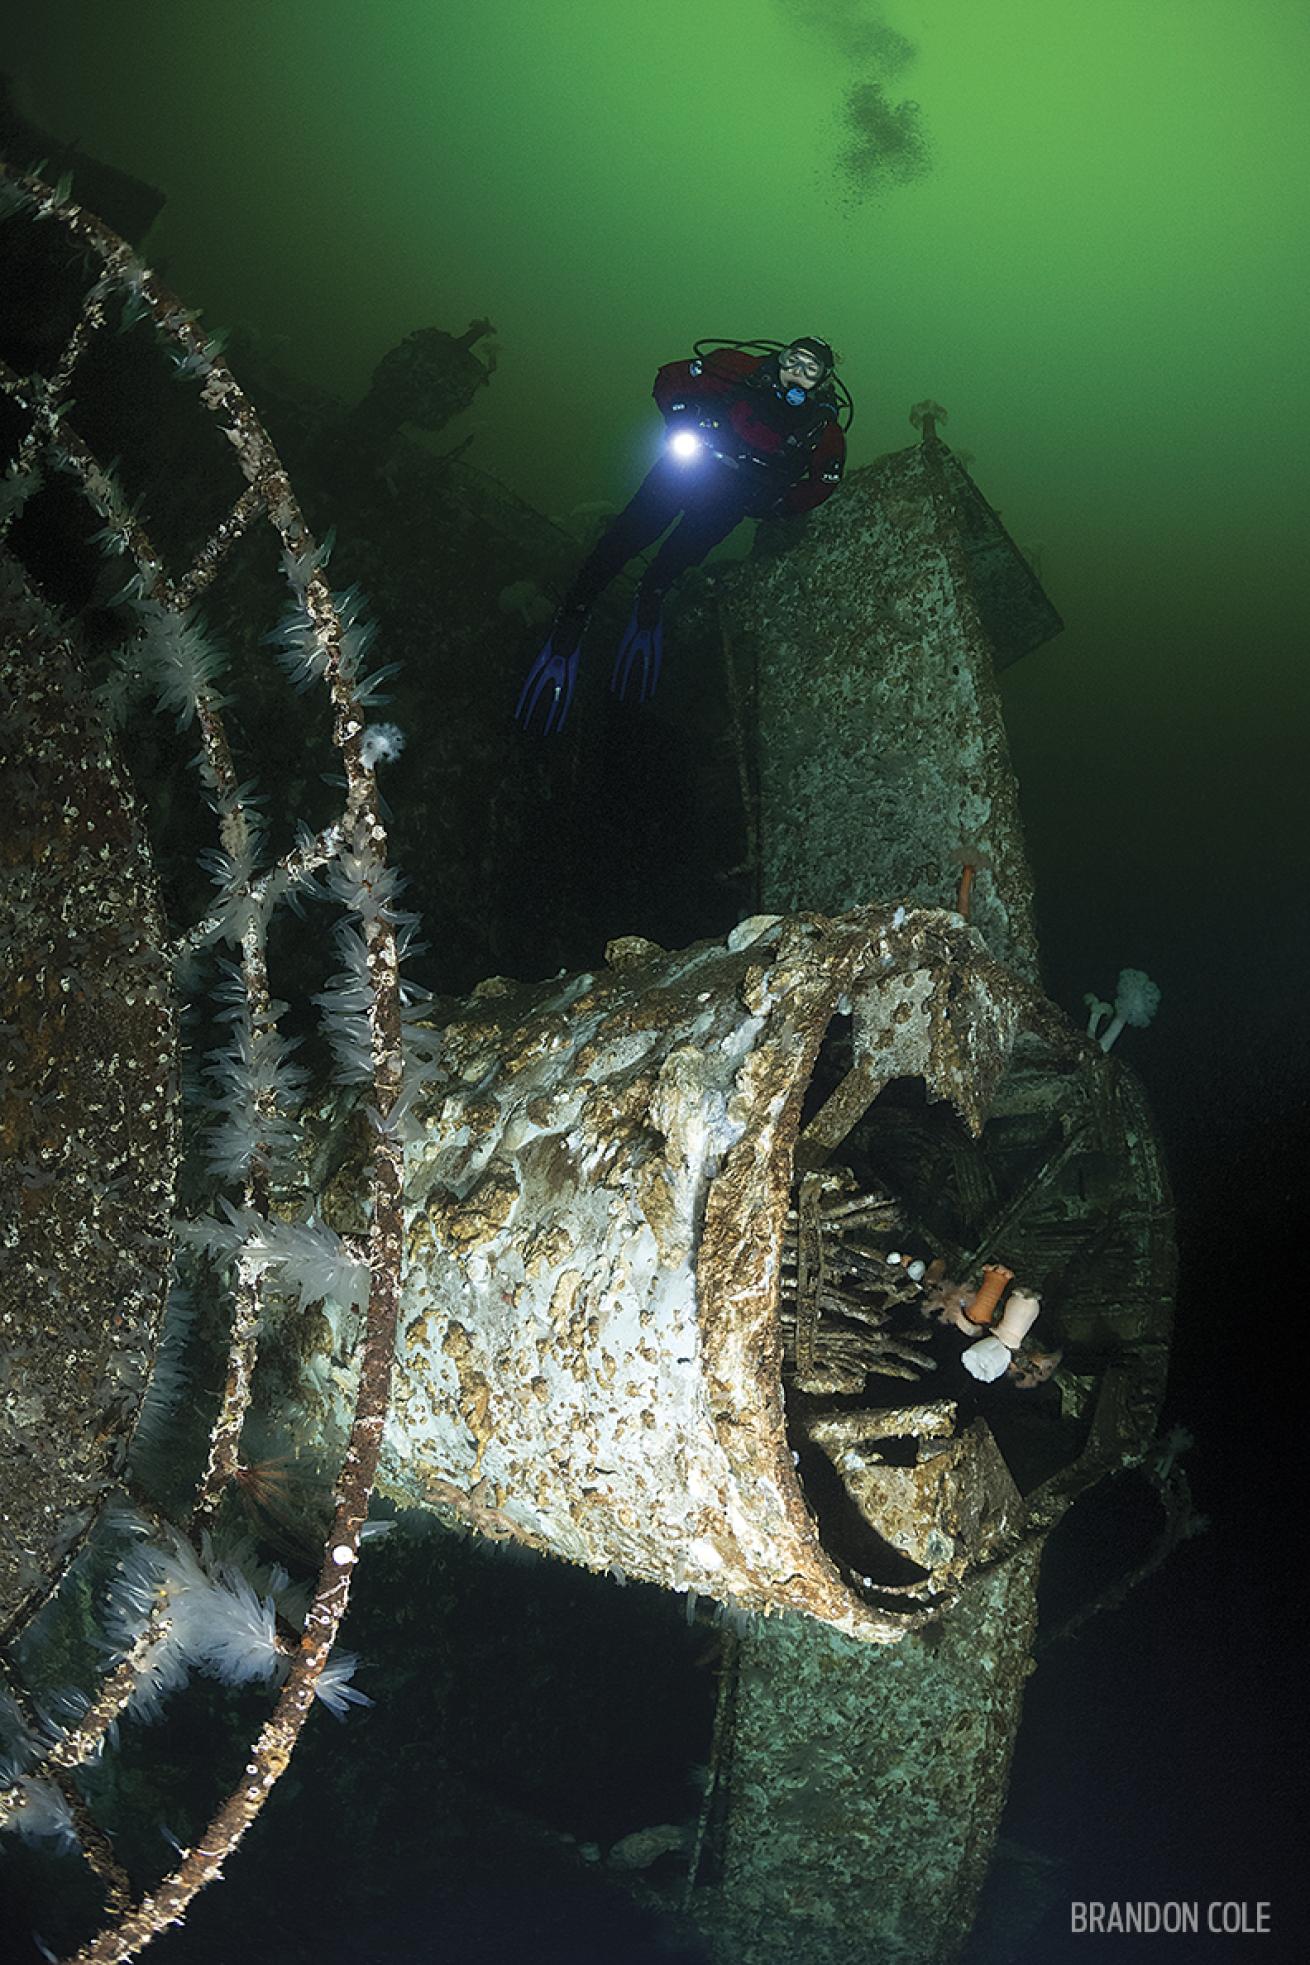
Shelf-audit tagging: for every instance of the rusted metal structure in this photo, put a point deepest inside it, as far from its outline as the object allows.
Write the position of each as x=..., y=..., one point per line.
x=655, y=1314
x=95, y=1122
x=88, y=1112
x=604, y=1296
x=426, y=379
x=880, y=748
x=860, y=1789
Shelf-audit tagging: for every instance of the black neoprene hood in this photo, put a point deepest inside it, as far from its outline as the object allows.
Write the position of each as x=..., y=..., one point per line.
x=819, y=349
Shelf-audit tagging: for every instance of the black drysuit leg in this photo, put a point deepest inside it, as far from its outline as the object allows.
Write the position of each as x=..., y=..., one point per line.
x=711, y=499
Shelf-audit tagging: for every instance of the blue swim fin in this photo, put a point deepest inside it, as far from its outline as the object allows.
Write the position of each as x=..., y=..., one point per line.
x=553, y=675
x=643, y=641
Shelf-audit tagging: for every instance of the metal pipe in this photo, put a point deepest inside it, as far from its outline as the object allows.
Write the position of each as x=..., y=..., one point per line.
x=590, y=1351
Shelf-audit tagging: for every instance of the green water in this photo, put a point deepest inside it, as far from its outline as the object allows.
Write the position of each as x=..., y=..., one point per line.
x=1082, y=229
x=1079, y=227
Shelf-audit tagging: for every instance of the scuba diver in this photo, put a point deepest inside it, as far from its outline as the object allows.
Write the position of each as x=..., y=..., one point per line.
x=748, y=435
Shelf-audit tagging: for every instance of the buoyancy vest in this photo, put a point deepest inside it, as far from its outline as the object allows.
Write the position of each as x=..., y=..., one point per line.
x=759, y=430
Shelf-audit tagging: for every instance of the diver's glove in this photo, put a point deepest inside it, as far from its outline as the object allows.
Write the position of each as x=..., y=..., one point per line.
x=643, y=641
x=553, y=675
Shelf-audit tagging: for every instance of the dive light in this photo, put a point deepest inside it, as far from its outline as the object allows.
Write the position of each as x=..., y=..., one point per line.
x=685, y=444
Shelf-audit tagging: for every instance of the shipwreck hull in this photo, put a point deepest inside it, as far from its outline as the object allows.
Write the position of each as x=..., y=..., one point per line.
x=858, y=1791
x=613, y=1345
